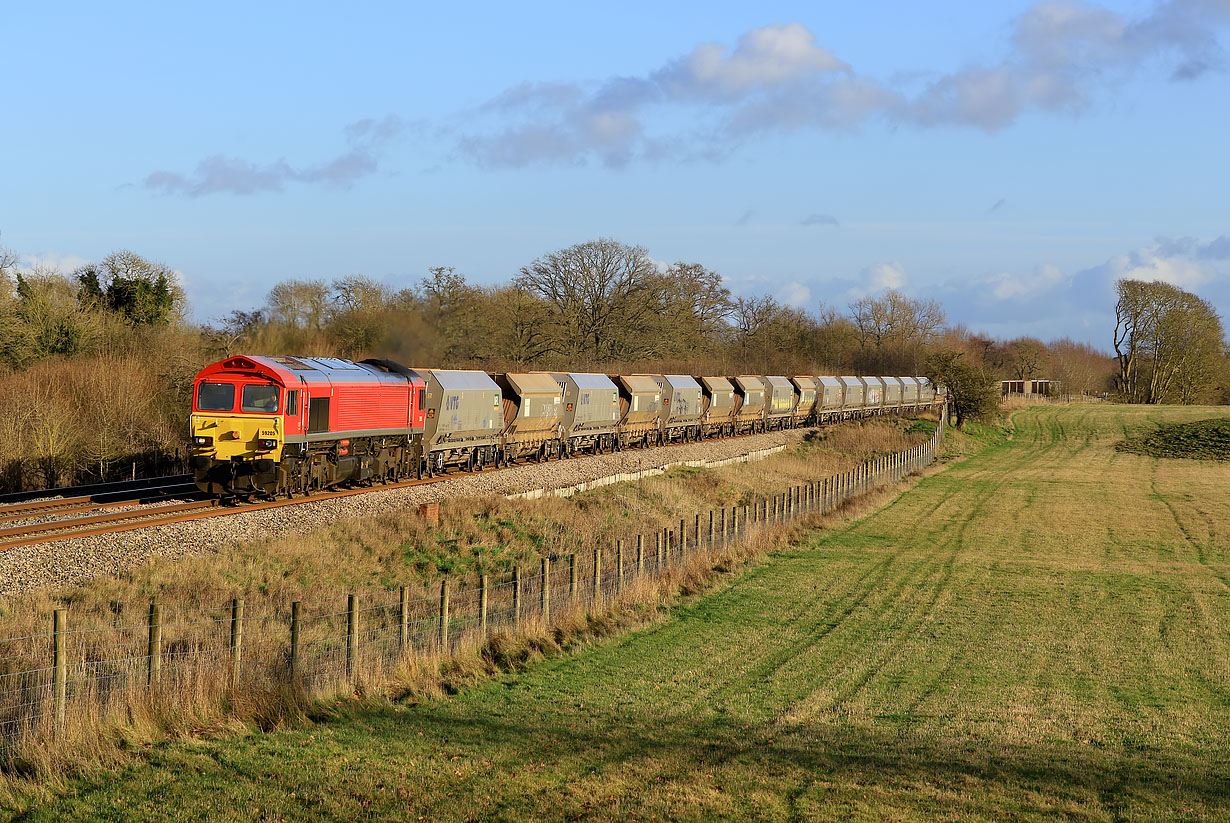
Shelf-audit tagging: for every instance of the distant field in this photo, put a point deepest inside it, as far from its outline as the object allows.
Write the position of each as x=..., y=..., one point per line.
x=1039, y=632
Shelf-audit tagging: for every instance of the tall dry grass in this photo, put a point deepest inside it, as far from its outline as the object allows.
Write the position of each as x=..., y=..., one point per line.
x=374, y=557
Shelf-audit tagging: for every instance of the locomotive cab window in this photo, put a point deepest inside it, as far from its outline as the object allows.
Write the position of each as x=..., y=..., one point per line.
x=292, y=403
x=215, y=397
x=260, y=399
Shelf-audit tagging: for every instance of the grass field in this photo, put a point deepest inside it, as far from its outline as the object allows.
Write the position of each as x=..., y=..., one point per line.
x=1041, y=631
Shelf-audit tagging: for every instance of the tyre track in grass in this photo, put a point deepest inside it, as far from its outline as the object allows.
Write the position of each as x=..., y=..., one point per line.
x=945, y=548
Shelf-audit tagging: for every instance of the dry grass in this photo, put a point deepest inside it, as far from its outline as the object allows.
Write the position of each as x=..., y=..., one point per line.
x=372, y=557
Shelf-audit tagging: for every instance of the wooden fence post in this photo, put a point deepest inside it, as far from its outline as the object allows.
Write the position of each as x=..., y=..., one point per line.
x=59, y=625
x=352, y=634
x=734, y=520
x=236, y=639
x=597, y=574
x=444, y=614
x=544, y=594
x=482, y=604
x=516, y=595
x=683, y=537
x=294, y=640
x=403, y=618
x=697, y=530
x=619, y=565
x=572, y=577
x=711, y=527
x=640, y=555
x=154, y=651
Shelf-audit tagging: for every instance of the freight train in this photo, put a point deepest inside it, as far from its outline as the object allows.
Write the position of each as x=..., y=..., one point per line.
x=286, y=426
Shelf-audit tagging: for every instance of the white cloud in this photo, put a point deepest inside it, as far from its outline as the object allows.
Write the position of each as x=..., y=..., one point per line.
x=879, y=277
x=778, y=78
x=1044, y=278
x=795, y=294
x=1181, y=262
x=55, y=261
x=764, y=58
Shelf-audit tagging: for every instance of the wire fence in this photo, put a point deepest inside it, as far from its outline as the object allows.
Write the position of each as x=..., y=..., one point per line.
x=100, y=673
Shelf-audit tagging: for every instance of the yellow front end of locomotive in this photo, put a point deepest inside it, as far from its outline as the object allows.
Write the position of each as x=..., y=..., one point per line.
x=245, y=437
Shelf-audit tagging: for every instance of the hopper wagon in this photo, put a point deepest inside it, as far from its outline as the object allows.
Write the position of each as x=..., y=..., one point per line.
x=591, y=411
x=720, y=405
x=750, y=393
x=806, y=410
x=682, y=406
x=640, y=410
x=533, y=419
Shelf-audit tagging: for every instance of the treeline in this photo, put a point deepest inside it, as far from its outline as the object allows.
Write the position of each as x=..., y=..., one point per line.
x=97, y=363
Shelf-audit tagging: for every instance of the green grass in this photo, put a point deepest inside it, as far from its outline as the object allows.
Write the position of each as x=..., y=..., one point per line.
x=1197, y=440
x=1039, y=632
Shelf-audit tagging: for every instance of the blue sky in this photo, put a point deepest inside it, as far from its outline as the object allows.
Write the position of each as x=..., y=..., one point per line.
x=1008, y=159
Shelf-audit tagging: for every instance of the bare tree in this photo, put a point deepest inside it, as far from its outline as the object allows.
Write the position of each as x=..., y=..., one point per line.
x=1027, y=358
x=893, y=329
x=602, y=299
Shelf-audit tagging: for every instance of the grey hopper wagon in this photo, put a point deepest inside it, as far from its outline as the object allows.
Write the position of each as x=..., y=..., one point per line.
x=591, y=411
x=682, y=406
x=855, y=396
x=893, y=391
x=720, y=404
x=807, y=410
x=832, y=395
x=640, y=409
x=750, y=392
x=463, y=419
x=533, y=415
x=909, y=396
x=874, y=398
x=926, y=390
x=779, y=402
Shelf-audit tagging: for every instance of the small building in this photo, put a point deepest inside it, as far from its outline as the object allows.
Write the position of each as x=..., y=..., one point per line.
x=1029, y=388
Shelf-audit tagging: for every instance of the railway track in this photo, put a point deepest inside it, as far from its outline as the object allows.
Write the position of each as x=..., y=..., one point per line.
x=144, y=517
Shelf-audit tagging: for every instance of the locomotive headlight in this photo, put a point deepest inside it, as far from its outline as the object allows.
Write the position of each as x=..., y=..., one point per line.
x=267, y=445
x=203, y=442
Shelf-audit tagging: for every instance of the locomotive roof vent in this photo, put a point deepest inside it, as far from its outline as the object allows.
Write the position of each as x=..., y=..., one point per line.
x=239, y=363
